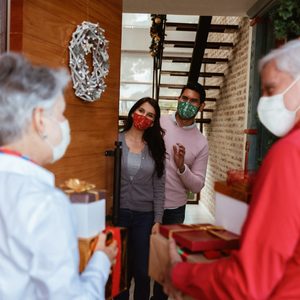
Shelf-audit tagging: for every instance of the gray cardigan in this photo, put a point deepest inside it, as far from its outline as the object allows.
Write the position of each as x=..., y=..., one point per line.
x=145, y=192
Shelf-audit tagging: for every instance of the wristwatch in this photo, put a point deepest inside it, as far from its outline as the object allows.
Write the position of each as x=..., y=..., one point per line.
x=178, y=170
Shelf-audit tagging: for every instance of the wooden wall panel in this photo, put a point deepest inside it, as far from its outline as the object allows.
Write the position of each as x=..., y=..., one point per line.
x=16, y=25
x=43, y=31
x=3, y=25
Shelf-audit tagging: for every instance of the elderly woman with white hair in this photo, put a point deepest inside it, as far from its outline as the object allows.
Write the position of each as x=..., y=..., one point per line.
x=38, y=245
x=267, y=265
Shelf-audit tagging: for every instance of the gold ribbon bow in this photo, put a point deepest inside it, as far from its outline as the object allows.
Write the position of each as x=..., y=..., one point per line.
x=212, y=229
x=78, y=186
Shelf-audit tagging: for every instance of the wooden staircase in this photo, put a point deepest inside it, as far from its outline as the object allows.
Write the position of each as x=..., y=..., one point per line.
x=176, y=65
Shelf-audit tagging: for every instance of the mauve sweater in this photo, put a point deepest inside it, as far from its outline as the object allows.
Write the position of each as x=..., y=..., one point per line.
x=145, y=192
x=196, y=157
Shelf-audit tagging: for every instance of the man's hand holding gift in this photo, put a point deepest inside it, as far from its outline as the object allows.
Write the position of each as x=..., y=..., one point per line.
x=111, y=249
x=175, y=258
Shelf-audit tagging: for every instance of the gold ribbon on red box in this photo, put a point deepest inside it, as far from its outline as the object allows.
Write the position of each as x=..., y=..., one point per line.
x=212, y=229
x=200, y=237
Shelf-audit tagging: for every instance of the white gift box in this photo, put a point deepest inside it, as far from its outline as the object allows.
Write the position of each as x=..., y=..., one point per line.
x=89, y=211
x=230, y=213
x=90, y=218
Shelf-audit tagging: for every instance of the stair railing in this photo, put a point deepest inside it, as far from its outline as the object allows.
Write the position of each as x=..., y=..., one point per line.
x=157, y=32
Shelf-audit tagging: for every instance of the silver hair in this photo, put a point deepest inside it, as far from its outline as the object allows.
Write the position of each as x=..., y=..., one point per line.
x=287, y=58
x=24, y=87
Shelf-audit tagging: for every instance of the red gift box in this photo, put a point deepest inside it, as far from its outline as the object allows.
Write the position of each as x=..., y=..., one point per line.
x=201, y=237
x=159, y=260
x=117, y=281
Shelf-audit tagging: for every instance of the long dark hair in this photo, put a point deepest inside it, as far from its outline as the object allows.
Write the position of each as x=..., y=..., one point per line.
x=153, y=136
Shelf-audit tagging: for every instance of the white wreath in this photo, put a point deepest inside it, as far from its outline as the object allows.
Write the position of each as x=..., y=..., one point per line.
x=88, y=38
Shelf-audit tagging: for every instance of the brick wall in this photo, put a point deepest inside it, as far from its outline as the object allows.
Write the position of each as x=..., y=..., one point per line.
x=225, y=132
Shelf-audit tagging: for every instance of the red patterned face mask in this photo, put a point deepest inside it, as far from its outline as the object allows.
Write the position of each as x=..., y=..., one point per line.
x=141, y=122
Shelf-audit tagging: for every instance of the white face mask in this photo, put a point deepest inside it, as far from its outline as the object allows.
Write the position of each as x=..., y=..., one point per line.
x=59, y=150
x=274, y=115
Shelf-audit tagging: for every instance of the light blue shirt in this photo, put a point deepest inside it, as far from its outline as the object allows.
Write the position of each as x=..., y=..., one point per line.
x=39, y=256
x=133, y=163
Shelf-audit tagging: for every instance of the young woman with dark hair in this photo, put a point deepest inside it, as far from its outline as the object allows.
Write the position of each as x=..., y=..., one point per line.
x=142, y=188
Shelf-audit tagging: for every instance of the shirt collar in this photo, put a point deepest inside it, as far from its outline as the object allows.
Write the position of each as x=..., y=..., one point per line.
x=173, y=117
x=18, y=165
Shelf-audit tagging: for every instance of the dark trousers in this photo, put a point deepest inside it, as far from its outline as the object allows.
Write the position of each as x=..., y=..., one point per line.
x=139, y=226
x=171, y=216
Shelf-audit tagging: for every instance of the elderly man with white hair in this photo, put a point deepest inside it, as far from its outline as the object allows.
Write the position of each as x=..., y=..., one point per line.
x=267, y=265
x=38, y=246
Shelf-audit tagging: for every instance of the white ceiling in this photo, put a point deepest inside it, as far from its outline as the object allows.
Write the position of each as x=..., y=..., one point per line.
x=197, y=7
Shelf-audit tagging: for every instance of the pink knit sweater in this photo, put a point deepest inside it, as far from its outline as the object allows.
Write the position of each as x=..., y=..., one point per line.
x=196, y=156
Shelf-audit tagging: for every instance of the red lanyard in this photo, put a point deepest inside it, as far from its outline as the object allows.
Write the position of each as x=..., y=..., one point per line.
x=14, y=153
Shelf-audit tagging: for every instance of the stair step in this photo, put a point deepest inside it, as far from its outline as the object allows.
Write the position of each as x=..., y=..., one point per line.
x=190, y=44
x=174, y=73
x=203, y=120
x=208, y=99
x=206, y=60
x=180, y=86
x=223, y=28
x=182, y=26
x=168, y=98
x=182, y=73
x=176, y=98
x=208, y=110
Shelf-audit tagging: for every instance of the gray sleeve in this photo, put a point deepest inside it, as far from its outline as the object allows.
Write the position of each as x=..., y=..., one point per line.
x=159, y=196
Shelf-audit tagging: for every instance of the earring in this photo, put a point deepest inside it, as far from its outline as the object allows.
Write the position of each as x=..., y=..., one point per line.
x=44, y=136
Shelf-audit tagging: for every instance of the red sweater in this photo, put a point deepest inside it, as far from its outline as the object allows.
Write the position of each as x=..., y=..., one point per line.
x=267, y=266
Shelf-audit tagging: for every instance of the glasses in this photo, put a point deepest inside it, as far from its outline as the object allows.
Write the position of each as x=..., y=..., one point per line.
x=193, y=101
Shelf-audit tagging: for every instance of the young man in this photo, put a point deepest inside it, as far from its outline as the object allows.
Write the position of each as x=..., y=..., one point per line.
x=267, y=264
x=186, y=161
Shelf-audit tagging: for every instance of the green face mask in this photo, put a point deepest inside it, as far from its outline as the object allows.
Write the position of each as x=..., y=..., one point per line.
x=186, y=110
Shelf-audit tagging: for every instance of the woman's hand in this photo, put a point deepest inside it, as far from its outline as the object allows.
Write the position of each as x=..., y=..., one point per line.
x=111, y=250
x=155, y=228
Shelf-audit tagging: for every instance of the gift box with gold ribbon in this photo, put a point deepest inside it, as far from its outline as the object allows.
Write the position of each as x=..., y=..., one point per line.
x=201, y=237
x=88, y=204
x=159, y=259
